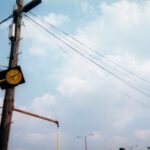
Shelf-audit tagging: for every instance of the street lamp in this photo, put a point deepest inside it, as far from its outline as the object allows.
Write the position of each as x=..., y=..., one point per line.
x=85, y=139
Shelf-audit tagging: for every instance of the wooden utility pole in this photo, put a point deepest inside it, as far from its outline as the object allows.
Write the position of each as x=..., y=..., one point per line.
x=8, y=103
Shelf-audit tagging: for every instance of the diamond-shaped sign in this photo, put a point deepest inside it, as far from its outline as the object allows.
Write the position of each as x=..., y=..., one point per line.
x=11, y=77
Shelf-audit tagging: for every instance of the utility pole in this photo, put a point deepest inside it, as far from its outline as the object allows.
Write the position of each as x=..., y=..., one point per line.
x=13, y=78
x=8, y=103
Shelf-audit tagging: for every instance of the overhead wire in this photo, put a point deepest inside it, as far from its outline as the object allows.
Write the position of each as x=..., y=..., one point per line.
x=52, y=107
x=45, y=85
x=5, y=19
x=133, y=79
x=43, y=81
x=87, y=67
x=112, y=86
x=130, y=76
x=89, y=59
x=100, y=66
x=92, y=50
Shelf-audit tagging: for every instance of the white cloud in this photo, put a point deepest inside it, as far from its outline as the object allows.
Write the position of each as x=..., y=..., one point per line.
x=86, y=7
x=35, y=133
x=124, y=14
x=43, y=105
x=123, y=118
x=143, y=134
x=121, y=28
x=119, y=139
x=55, y=19
x=40, y=41
x=37, y=50
x=97, y=136
x=72, y=86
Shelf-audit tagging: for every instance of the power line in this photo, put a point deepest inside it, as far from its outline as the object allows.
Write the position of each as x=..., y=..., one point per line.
x=6, y=19
x=115, y=88
x=44, y=82
x=133, y=76
x=132, y=79
x=52, y=106
x=89, y=59
x=92, y=50
x=97, y=75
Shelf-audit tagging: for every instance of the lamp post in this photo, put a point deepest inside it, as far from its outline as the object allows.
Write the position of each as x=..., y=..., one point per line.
x=85, y=139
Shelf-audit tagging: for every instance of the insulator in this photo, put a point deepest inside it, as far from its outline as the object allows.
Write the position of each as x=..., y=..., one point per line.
x=12, y=31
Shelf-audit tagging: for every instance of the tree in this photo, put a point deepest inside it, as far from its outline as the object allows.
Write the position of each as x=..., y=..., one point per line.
x=122, y=149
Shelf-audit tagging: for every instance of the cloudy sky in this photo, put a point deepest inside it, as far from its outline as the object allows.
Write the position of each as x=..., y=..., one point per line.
x=98, y=83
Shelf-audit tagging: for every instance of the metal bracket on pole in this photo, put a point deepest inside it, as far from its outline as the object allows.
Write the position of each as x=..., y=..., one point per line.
x=31, y=5
x=36, y=116
x=6, y=19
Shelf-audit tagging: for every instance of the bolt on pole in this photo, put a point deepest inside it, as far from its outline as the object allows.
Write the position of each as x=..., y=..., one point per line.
x=8, y=103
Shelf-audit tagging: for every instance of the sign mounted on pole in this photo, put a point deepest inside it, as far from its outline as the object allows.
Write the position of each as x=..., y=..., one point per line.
x=31, y=5
x=11, y=77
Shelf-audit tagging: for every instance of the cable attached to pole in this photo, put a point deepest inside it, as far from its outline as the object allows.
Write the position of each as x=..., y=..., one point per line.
x=89, y=59
x=54, y=28
x=6, y=19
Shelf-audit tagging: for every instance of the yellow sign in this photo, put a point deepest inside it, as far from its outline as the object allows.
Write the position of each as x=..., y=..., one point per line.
x=13, y=76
